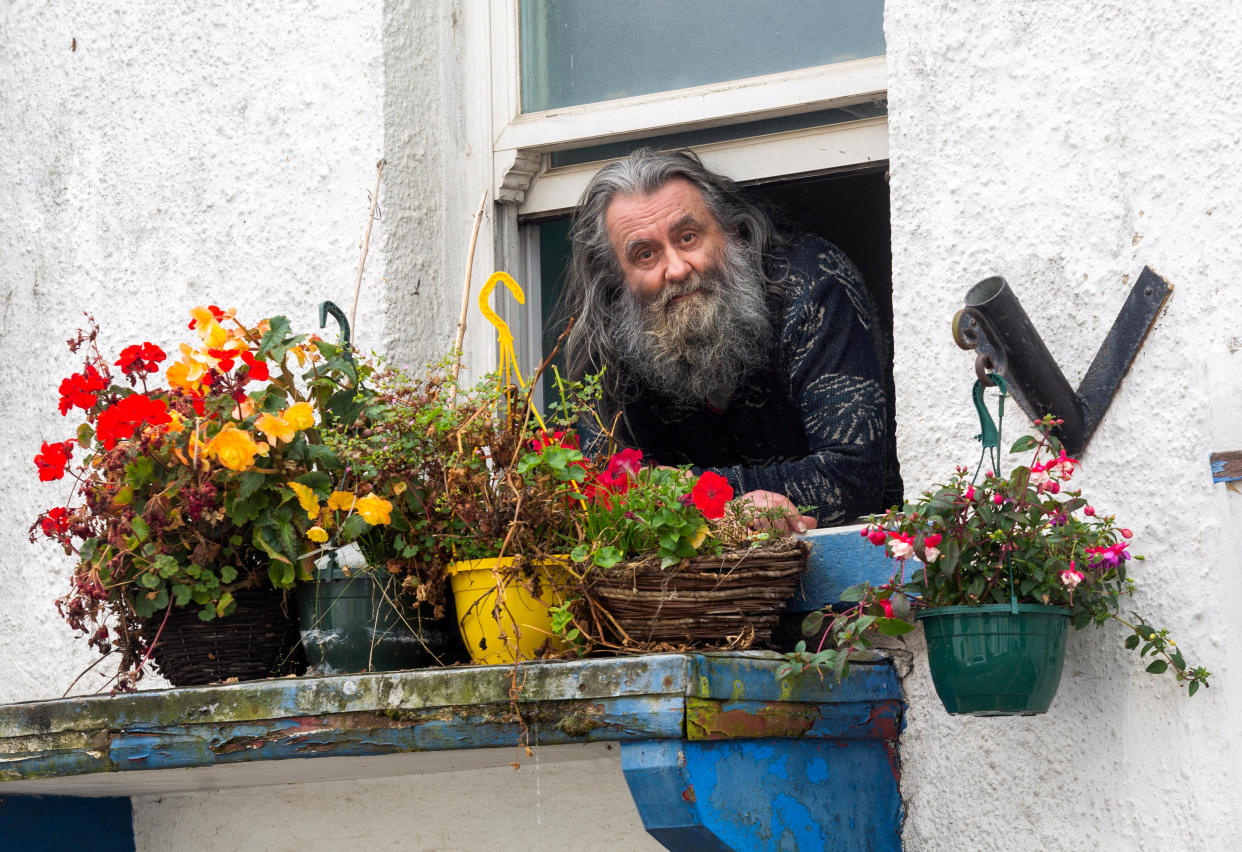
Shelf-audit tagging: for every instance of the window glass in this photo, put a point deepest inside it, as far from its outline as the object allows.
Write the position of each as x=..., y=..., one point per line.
x=583, y=51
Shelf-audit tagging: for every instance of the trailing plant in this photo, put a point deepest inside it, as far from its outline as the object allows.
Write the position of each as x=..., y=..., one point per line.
x=989, y=540
x=189, y=489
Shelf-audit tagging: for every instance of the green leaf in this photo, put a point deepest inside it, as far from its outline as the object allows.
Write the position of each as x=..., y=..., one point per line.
x=1158, y=667
x=579, y=553
x=149, y=581
x=1178, y=660
x=1054, y=446
x=855, y=593
x=228, y=574
x=85, y=434
x=950, y=555
x=316, y=481
x=1132, y=641
x=813, y=622
x=124, y=496
x=225, y=605
x=207, y=613
x=181, y=593
x=281, y=574
x=274, y=341
x=88, y=549
x=1194, y=687
x=251, y=481
x=893, y=626
x=607, y=557
x=166, y=565
x=1026, y=442
x=354, y=526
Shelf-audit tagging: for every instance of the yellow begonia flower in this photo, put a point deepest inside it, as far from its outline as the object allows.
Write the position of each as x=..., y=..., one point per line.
x=175, y=422
x=275, y=428
x=374, y=510
x=244, y=408
x=234, y=448
x=300, y=415
x=318, y=534
x=341, y=500
x=306, y=499
x=699, y=536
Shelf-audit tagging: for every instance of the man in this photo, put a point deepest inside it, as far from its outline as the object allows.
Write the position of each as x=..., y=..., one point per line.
x=726, y=346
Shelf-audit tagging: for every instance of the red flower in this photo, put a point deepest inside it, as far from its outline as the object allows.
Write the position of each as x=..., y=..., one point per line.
x=257, y=370
x=875, y=535
x=215, y=312
x=625, y=465
x=53, y=460
x=55, y=522
x=224, y=358
x=80, y=390
x=932, y=540
x=125, y=418
x=556, y=439
x=143, y=358
x=887, y=606
x=711, y=493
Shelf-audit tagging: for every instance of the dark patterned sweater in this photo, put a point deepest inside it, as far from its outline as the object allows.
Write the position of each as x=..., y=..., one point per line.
x=814, y=423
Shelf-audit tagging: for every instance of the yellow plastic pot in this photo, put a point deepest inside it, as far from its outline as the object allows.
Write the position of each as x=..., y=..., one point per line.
x=500, y=620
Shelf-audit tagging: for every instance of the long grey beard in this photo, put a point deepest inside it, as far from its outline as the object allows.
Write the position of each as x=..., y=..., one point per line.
x=705, y=346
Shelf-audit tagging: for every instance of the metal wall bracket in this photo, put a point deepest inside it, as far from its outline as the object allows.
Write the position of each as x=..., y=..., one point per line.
x=994, y=324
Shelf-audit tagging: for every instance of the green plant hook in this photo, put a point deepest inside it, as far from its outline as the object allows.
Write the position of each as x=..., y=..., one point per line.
x=328, y=307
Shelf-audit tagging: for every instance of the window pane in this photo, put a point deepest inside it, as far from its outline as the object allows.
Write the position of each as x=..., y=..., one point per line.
x=582, y=51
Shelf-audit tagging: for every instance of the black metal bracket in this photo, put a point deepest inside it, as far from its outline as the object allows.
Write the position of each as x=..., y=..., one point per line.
x=994, y=324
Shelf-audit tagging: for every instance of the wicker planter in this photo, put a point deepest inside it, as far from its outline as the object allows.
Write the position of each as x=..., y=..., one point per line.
x=732, y=600
x=259, y=639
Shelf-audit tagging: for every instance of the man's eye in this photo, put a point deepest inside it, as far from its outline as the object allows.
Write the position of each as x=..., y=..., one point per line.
x=644, y=256
x=688, y=238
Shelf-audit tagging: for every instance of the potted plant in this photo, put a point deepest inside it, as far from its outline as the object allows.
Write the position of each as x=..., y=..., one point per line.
x=181, y=518
x=996, y=568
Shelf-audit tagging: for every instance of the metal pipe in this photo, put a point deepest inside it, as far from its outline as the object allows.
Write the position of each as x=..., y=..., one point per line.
x=994, y=323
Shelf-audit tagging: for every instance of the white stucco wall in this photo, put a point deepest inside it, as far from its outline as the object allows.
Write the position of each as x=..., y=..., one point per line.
x=1064, y=146
x=182, y=156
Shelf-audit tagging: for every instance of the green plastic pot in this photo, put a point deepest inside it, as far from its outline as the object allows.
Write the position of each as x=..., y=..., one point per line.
x=994, y=661
x=349, y=624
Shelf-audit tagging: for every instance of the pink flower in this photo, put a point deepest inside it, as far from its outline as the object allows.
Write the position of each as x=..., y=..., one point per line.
x=875, y=535
x=997, y=498
x=901, y=545
x=970, y=493
x=930, y=552
x=626, y=463
x=1039, y=476
x=1089, y=510
x=1111, y=556
x=1125, y=533
x=887, y=606
x=1062, y=466
x=1071, y=578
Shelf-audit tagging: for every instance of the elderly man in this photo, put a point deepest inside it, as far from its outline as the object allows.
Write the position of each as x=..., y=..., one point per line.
x=727, y=346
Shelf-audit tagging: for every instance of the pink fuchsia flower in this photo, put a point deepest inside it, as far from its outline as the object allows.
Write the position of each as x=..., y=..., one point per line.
x=875, y=535
x=711, y=493
x=970, y=493
x=887, y=606
x=1062, y=467
x=1089, y=510
x=1110, y=556
x=901, y=545
x=1071, y=578
x=1039, y=476
x=1125, y=533
x=930, y=545
x=998, y=498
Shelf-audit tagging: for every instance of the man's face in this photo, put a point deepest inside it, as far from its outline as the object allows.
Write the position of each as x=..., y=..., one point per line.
x=664, y=241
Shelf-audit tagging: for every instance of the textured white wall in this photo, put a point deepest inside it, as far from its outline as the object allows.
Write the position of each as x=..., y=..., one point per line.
x=181, y=155
x=1064, y=146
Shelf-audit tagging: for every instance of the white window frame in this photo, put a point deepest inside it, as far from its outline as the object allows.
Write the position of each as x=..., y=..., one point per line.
x=521, y=142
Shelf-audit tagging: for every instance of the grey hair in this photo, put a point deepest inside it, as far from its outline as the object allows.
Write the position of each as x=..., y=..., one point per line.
x=595, y=280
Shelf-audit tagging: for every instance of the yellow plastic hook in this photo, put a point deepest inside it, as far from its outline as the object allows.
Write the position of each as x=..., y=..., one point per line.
x=504, y=337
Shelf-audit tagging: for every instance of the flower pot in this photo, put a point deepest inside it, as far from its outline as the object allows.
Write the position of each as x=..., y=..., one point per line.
x=259, y=639
x=731, y=600
x=505, y=618
x=990, y=661
x=358, y=624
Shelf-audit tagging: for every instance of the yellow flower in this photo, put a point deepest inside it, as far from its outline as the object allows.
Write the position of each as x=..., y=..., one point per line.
x=234, y=448
x=175, y=423
x=341, y=500
x=699, y=535
x=374, y=510
x=318, y=534
x=244, y=408
x=300, y=415
x=275, y=428
x=187, y=374
x=306, y=499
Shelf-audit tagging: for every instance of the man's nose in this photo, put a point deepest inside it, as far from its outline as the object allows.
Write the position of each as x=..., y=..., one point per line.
x=676, y=267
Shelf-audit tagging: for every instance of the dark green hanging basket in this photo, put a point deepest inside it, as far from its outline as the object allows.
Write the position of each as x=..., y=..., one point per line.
x=359, y=624
x=996, y=659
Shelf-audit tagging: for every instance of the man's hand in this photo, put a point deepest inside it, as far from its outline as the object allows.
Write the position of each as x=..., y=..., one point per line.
x=792, y=520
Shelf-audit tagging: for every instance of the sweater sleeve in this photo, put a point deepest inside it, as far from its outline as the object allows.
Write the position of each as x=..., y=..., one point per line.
x=831, y=356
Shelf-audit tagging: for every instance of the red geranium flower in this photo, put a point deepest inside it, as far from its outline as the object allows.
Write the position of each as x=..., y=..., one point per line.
x=53, y=460
x=215, y=312
x=55, y=522
x=711, y=493
x=80, y=390
x=125, y=418
x=144, y=358
x=556, y=439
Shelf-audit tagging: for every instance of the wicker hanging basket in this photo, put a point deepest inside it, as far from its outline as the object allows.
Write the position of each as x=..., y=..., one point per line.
x=259, y=639
x=732, y=600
